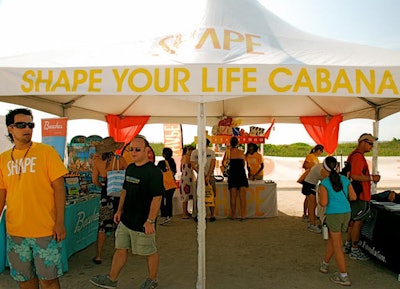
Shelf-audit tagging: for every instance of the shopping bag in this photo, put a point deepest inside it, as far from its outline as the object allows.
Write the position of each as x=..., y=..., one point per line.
x=209, y=196
x=225, y=164
x=168, y=178
x=225, y=169
x=115, y=180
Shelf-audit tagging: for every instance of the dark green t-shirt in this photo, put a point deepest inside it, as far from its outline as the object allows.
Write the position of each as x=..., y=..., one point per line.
x=142, y=183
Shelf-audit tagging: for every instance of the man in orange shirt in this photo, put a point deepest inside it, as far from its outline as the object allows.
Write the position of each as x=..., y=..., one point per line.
x=361, y=181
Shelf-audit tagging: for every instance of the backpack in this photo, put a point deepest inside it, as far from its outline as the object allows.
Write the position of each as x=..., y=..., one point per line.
x=346, y=169
x=346, y=172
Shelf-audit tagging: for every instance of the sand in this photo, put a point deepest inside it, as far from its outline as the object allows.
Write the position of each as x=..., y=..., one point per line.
x=274, y=252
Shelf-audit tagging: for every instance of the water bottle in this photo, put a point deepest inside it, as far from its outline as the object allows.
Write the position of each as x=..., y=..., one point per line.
x=324, y=232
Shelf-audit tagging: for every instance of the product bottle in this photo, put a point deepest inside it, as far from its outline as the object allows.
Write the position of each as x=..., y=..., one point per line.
x=324, y=232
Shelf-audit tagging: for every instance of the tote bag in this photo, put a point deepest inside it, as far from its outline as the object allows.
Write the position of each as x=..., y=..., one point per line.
x=226, y=164
x=115, y=180
x=168, y=178
x=209, y=196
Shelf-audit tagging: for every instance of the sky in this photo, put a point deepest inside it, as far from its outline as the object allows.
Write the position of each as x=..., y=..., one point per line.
x=368, y=22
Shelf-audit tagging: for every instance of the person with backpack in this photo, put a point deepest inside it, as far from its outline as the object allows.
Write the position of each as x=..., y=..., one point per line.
x=361, y=181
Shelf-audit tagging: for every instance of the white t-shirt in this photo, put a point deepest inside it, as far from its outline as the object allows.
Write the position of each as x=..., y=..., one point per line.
x=315, y=174
x=194, y=157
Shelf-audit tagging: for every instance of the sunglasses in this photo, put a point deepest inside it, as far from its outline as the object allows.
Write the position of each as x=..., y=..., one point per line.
x=136, y=149
x=24, y=124
x=370, y=143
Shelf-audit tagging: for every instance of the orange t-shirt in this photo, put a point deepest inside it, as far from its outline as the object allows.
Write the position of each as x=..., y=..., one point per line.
x=254, y=162
x=359, y=166
x=27, y=180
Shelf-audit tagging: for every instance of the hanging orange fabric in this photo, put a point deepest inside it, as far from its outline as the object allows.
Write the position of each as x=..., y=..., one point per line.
x=268, y=132
x=323, y=130
x=125, y=128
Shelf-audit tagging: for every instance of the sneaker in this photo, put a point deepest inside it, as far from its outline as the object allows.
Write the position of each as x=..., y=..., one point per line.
x=347, y=248
x=305, y=218
x=357, y=254
x=212, y=219
x=314, y=228
x=324, y=267
x=338, y=279
x=165, y=221
x=149, y=284
x=103, y=281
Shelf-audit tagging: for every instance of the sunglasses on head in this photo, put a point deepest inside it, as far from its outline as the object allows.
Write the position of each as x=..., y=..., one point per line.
x=136, y=149
x=370, y=143
x=24, y=124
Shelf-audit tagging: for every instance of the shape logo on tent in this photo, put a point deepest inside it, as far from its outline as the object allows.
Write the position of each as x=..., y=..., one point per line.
x=211, y=39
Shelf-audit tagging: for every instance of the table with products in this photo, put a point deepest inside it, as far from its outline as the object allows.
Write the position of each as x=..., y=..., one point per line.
x=380, y=237
x=261, y=199
x=81, y=223
x=3, y=258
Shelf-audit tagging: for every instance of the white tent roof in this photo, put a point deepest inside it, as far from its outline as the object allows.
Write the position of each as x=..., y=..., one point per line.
x=234, y=58
x=276, y=71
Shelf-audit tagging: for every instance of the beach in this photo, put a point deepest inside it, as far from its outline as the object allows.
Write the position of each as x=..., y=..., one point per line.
x=277, y=252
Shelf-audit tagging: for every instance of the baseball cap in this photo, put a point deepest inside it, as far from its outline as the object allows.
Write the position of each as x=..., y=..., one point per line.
x=367, y=136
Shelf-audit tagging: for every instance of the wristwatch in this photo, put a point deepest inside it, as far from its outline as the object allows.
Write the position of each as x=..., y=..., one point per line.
x=150, y=221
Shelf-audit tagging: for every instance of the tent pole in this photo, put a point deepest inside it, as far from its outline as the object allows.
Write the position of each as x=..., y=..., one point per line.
x=201, y=208
x=375, y=148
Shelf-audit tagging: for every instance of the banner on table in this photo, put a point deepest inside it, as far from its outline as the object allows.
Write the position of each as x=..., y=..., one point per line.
x=54, y=133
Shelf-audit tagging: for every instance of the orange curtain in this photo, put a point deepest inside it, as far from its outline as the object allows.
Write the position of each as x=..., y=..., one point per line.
x=323, y=130
x=268, y=132
x=125, y=128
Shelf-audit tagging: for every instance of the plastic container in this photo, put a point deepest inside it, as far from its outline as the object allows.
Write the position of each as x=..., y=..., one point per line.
x=325, y=234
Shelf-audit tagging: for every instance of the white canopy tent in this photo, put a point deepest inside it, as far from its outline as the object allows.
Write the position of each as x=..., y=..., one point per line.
x=235, y=59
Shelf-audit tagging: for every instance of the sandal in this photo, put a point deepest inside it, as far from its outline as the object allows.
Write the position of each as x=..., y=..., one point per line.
x=97, y=262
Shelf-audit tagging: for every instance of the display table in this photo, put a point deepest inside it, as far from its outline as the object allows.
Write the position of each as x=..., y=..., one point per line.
x=81, y=223
x=3, y=256
x=381, y=237
x=261, y=200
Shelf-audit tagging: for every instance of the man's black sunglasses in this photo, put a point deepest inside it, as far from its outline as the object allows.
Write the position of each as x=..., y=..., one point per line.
x=136, y=149
x=24, y=124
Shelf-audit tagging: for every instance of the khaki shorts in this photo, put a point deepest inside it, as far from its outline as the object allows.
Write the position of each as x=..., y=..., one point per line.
x=337, y=222
x=138, y=242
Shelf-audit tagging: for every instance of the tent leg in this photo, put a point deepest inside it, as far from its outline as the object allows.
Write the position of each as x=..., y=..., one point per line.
x=375, y=150
x=201, y=209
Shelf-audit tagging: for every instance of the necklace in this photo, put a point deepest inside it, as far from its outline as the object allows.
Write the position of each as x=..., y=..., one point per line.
x=23, y=159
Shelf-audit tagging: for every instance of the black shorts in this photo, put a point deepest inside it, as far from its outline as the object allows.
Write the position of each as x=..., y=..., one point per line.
x=308, y=189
